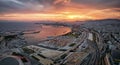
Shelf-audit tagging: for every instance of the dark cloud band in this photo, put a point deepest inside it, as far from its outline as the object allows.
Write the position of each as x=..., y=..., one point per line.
x=35, y=5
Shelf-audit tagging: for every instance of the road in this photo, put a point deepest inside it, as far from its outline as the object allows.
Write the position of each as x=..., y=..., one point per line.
x=80, y=40
x=98, y=56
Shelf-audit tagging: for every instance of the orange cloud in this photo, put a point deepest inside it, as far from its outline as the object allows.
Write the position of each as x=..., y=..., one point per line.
x=62, y=1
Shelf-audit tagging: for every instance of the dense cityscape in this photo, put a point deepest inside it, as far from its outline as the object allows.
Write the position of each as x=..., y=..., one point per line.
x=83, y=45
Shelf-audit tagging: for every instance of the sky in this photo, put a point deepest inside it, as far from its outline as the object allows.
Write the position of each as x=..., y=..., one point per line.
x=59, y=10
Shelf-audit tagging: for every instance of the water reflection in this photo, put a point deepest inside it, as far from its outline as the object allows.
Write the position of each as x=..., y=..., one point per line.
x=46, y=31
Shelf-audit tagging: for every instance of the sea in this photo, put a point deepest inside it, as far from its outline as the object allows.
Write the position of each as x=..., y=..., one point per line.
x=34, y=33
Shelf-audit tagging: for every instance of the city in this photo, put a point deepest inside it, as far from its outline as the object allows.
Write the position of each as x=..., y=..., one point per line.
x=81, y=46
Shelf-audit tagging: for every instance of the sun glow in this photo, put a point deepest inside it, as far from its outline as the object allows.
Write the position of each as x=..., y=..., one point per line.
x=67, y=16
x=64, y=15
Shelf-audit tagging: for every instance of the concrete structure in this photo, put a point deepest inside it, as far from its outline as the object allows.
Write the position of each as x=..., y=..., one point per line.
x=14, y=60
x=11, y=60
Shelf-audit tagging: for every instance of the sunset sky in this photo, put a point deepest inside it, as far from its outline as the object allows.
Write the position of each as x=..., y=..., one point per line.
x=58, y=10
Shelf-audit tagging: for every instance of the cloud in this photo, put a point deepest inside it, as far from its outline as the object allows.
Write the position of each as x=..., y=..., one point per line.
x=20, y=5
x=99, y=3
x=8, y=6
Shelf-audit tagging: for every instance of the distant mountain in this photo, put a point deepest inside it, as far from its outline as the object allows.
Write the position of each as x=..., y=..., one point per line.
x=105, y=25
x=104, y=20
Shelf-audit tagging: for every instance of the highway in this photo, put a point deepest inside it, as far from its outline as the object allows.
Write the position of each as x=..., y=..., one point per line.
x=80, y=40
x=99, y=54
